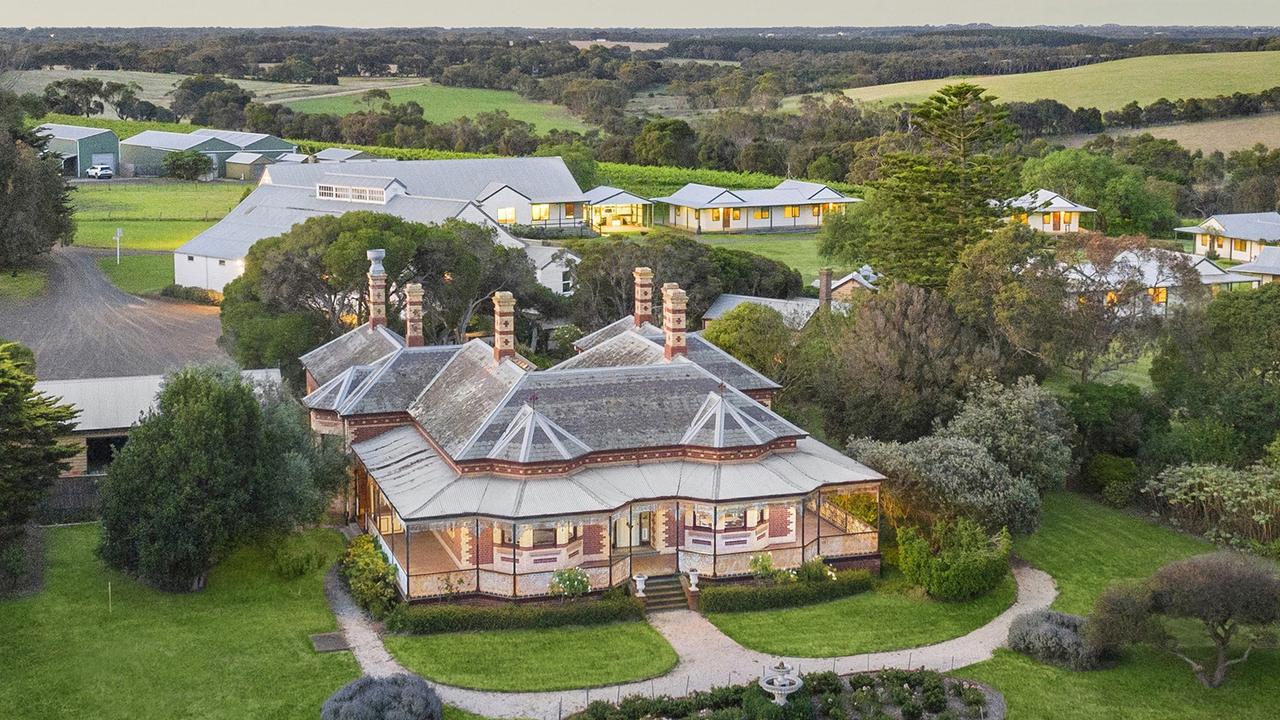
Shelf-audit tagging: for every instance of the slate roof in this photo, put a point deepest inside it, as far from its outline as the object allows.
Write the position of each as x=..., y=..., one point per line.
x=464, y=393
x=787, y=192
x=361, y=345
x=1263, y=226
x=613, y=329
x=70, y=132
x=422, y=486
x=541, y=179
x=795, y=312
x=1046, y=200
x=389, y=384
x=616, y=345
x=1267, y=263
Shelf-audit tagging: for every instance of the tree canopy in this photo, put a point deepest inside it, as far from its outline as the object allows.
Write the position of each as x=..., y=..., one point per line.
x=35, y=200
x=754, y=334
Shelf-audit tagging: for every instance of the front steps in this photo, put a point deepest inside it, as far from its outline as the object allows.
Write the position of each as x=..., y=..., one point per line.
x=664, y=593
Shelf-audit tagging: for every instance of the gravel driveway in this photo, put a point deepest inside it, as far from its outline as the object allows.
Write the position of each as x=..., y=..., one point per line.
x=83, y=326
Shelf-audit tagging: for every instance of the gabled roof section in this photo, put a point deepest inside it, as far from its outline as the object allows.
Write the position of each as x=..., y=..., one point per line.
x=719, y=424
x=787, y=192
x=397, y=380
x=627, y=348
x=1046, y=200
x=240, y=139
x=249, y=158
x=607, y=195
x=464, y=394
x=811, y=190
x=337, y=154
x=165, y=140
x=70, y=132
x=617, y=327
x=1261, y=227
x=361, y=345
x=795, y=312
x=1267, y=263
x=332, y=395
x=532, y=437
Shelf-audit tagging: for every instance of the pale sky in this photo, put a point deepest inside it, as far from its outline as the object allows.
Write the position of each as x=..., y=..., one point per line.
x=630, y=13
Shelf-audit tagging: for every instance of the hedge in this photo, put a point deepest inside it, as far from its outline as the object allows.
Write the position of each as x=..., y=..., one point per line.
x=430, y=619
x=741, y=598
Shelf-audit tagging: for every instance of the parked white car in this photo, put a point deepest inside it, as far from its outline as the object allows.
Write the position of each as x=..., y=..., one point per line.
x=101, y=172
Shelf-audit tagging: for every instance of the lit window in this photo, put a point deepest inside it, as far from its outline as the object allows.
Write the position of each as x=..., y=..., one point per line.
x=541, y=212
x=1240, y=245
x=1204, y=241
x=1158, y=295
x=816, y=210
x=761, y=214
x=716, y=215
x=737, y=213
x=791, y=211
x=507, y=215
x=570, y=210
x=1218, y=242
x=1112, y=297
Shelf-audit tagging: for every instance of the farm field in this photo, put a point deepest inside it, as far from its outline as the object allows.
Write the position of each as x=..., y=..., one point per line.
x=442, y=103
x=1238, y=133
x=155, y=86
x=1107, y=85
x=1085, y=546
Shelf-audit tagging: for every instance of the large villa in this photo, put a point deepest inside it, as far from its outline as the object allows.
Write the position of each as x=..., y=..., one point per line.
x=481, y=475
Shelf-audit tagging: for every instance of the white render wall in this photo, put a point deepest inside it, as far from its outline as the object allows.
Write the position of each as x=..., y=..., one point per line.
x=205, y=272
x=687, y=218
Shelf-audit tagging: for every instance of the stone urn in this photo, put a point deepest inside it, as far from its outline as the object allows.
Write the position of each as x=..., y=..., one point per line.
x=640, y=580
x=693, y=579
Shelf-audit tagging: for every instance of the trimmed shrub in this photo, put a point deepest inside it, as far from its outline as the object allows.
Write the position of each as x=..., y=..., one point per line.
x=430, y=619
x=570, y=583
x=191, y=294
x=371, y=578
x=403, y=697
x=1113, y=476
x=741, y=598
x=958, y=561
x=1055, y=638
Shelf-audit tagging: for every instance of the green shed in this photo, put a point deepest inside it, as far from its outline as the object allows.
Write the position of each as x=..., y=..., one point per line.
x=263, y=144
x=82, y=147
x=143, y=154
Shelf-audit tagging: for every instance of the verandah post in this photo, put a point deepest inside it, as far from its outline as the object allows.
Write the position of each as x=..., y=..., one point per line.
x=408, y=562
x=715, y=539
x=515, y=543
x=475, y=551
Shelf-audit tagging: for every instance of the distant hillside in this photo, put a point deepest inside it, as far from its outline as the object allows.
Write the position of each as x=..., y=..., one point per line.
x=1108, y=85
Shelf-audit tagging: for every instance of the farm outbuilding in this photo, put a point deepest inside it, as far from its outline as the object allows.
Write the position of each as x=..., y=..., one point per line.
x=247, y=165
x=82, y=147
x=269, y=146
x=337, y=154
x=143, y=154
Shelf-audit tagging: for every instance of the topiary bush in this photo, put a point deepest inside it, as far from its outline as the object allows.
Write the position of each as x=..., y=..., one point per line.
x=1113, y=476
x=957, y=561
x=1055, y=638
x=397, y=697
x=371, y=578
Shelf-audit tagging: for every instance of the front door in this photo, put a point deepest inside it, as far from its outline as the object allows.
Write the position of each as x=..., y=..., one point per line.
x=1057, y=222
x=724, y=218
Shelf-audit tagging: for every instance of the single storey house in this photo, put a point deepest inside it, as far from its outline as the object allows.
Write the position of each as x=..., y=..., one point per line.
x=1155, y=269
x=611, y=209
x=247, y=165
x=143, y=155
x=1235, y=236
x=478, y=474
x=791, y=205
x=337, y=154
x=795, y=312
x=1265, y=268
x=260, y=143
x=81, y=147
x=848, y=287
x=1047, y=211
x=481, y=191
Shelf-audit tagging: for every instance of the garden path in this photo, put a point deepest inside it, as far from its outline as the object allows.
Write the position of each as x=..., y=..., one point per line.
x=709, y=658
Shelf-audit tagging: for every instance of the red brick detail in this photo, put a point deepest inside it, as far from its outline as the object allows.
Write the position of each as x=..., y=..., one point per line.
x=670, y=533
x=592, y=539
x=484, y=545
x=779, y=521
x=311, y=382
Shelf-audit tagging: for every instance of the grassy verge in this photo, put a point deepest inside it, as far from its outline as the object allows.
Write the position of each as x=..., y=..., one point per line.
x=890, y=617
x=535, y=660
x=26, y=283
x=156, y=200
x=1086, y=546
x=139, y=274
x=139, y=234
x=239, y=649
x=799, y=250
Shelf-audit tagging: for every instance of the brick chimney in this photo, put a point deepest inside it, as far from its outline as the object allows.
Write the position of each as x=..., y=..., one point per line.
x=824, y=288
x=504, y=325
x=674, y=302
x=644, y=295
x=413, y=315
x=377, y=288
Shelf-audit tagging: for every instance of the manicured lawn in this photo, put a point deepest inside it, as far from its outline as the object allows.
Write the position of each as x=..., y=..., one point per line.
x=442, y=103
x=1086, y=546
x=1107, y=85
x=891, y=617
x=799, y=250
x=239, y=649
x=156, y=200
x=139, y=274
x=544, y=659
x=139, y=234
x=24, y=284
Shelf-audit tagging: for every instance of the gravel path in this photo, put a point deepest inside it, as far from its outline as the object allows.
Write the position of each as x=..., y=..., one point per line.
x=708, y=657
x=84, y=326
x=359, y=630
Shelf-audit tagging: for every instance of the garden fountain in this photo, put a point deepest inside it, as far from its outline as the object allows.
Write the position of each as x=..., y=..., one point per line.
x=779, y=682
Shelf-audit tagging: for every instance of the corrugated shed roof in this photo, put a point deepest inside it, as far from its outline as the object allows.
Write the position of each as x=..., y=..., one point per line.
x=238, y=138
x=795, y=312
x=361, y=345
x=335, y=154
x=422, y=486
x=249, y=158
x=70, y=132
x=1263, y=226
x=116, y=403
x=606, y=195
x=1267, y=263
x=1046, y=200
x=164, y=140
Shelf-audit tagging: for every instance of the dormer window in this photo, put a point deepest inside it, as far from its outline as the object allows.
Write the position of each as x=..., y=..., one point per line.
x=353, y=194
